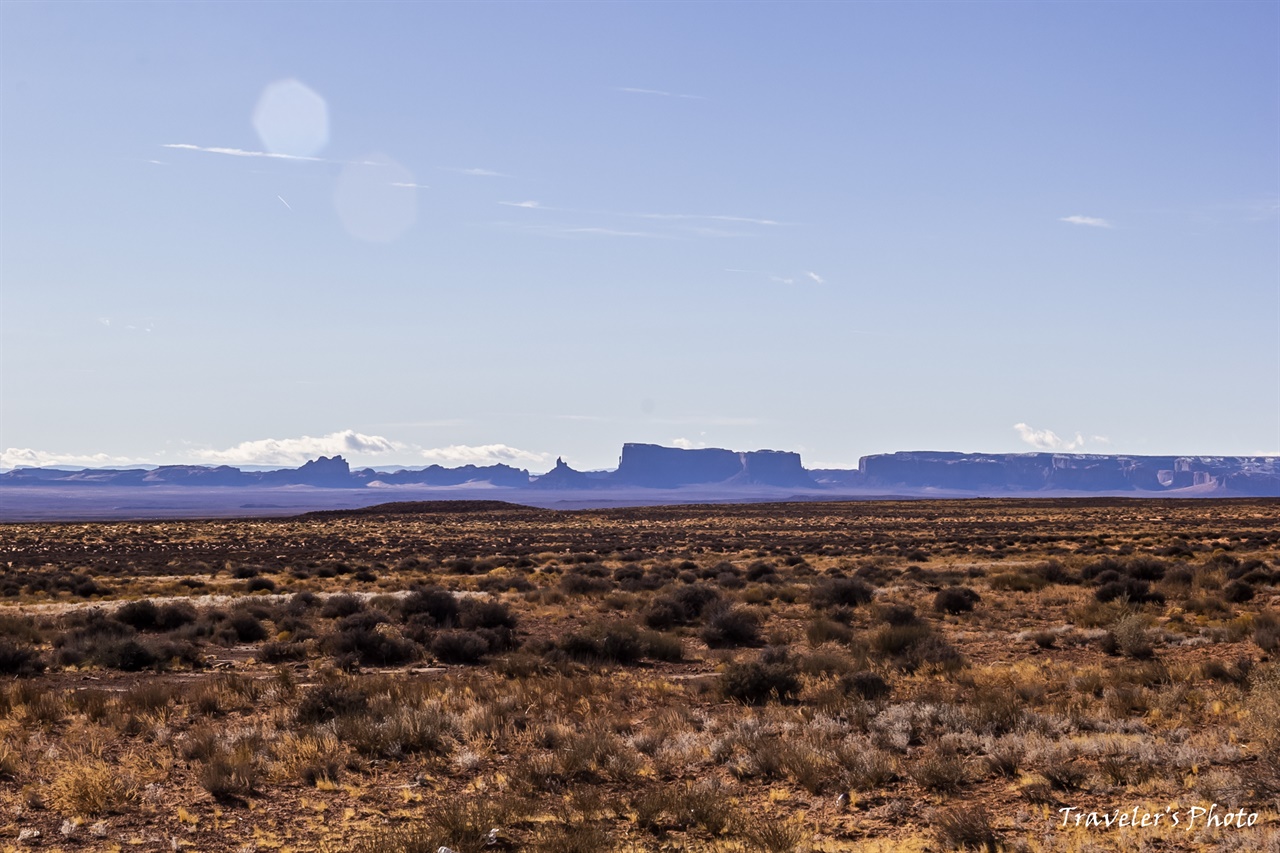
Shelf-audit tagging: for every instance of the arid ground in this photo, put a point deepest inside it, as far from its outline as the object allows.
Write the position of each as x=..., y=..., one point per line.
x=1024, y=675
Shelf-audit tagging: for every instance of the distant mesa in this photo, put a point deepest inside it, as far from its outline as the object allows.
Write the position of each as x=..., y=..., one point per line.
x=653, y=466
x=729, y=472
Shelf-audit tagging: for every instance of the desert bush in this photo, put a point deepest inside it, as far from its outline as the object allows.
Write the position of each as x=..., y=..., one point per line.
x=576, y=582
x=329, y=701
x=485, y=613
x=846, y=592
x=955, y=599
x=1266, y=631
x=89, y=788
x=865, y=685
x=280, y=652
x=1064, y=774
x=394, y=732
x=241, y=626
x=939, y=769
x=20, y=660
x=1005, y=756
x=231, y=771
x=438, y=604
x=730, y=627
x=966, y=828
x=607, y=642
x=463, y=824
x=773, y=676
x=373, y=647
x=682, y=606
x=1238, y=592
x=909, y=647
x=140, y=615
x=461, y=647
x=340, y=606
x=1129, y=637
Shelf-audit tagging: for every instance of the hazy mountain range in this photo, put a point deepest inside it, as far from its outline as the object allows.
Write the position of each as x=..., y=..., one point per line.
x=646, y=474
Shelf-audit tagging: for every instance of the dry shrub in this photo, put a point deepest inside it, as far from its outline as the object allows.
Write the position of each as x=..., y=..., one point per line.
x=231, y=772
x=89, y=787
x=966, y=828
x=463, y=825
x=773, y=676
x=1129, y=637
x=770, y=835
x=939, y=770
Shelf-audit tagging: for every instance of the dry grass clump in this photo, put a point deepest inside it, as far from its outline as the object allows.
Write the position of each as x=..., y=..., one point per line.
x=966, y=828
x=89, y=787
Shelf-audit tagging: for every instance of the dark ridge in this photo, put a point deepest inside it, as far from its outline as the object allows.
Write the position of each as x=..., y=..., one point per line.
x=423, y=508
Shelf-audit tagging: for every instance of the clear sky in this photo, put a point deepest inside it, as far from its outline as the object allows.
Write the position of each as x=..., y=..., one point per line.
x=506, y=232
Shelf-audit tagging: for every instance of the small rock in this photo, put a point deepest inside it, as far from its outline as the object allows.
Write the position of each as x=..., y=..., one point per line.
x=28, y=836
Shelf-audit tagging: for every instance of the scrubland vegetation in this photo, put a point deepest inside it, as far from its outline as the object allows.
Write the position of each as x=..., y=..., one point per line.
x=809, y=677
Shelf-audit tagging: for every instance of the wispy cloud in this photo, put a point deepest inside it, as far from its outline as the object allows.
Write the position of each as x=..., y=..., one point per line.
x=780, y=278
x=410, y=185
x=479, y=173
x=239, y=152
x=632, y=90
x=295, y=451
x=26, y=457
x=285, y=203
x=1044, y=439
x=270, y=155
x=686, y=444
x=484, y=454
x=1091, y=221
x=527, y=205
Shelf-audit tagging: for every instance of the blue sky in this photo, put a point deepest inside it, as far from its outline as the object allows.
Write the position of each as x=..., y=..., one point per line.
x=507, y=232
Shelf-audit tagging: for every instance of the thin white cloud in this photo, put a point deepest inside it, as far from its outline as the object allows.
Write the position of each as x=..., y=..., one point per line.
x=239, y=152
x=527, y=205
x=295, y=451
x=484, y=454
x=686, y=444
x=285, y=203
x=1044, y=439
x=637, y=91
x=1091, y=221
x=780, y=280
x=480, y=173
x=270, y=155
x=410, y=185
x=26, y=457
x=817, y=278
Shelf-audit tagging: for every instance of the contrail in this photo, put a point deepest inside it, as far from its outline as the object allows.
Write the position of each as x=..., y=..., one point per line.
x=285, y=203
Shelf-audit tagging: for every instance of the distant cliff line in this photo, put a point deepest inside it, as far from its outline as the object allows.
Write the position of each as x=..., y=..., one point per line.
x=650, y=466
